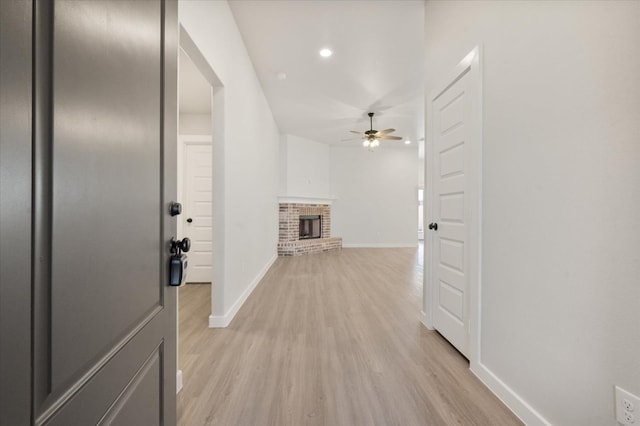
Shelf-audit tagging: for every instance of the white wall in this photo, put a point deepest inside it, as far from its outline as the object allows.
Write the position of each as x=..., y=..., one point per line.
x=376, y=196
x=305, y=170
x=282, y=159
x=421, y=165
x=245, y=157
x=194, y=124
x=561, y=230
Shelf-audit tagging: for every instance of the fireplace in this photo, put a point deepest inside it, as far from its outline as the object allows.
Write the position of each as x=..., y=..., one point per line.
x=305, y=228
x=310, y=227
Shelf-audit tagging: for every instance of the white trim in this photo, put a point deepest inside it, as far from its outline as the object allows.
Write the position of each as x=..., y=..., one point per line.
x=381, y=245
x=178, y=381
x=189, y=47
x=426, y=321
x=304, y=200
x=509, y=397
x=218, y=321
x=470, y=65
x=475, y=199
x=426, y=313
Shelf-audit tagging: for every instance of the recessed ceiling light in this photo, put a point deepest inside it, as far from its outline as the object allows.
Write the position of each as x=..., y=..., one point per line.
x=407, y=142
x=281, y=76
x=325, y=53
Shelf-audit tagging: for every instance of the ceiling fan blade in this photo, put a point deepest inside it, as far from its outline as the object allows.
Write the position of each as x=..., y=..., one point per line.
x=391, y=138
x=384, y=132
x=357, y=133
x=350, y=139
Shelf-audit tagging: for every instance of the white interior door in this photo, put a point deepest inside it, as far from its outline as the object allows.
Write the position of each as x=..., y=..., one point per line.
x=197, y=214
x=450, y=213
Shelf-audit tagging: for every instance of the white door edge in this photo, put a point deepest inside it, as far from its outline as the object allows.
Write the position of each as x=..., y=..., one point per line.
x=471, y=64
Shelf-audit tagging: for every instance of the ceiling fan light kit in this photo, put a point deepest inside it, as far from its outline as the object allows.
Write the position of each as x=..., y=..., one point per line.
x=370, y=143
x=371, y=138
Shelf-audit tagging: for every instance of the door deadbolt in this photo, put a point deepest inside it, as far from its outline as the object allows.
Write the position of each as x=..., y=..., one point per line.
x=175, y=208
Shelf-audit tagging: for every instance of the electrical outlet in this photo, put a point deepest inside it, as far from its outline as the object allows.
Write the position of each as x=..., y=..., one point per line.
x=627, y=407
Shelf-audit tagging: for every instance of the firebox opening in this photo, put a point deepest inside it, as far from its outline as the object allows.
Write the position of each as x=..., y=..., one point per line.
x=310, y=227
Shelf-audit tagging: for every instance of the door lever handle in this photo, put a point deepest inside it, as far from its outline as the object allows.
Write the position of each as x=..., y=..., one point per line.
x=433, y=226
x=178, y=246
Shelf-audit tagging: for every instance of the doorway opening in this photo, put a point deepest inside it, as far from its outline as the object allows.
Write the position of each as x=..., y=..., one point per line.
x=199, y=161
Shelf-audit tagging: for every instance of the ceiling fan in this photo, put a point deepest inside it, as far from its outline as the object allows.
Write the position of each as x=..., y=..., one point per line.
x=371, y=138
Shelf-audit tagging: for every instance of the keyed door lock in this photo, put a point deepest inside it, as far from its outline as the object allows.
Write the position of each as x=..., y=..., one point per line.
x=178, y=262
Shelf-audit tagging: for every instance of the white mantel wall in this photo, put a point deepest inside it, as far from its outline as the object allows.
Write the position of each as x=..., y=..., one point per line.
x=561, y=221
x=376, y=194
x=304, y=168
x=246, y=166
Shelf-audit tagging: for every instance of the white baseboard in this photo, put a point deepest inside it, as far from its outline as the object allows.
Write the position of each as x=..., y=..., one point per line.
x=381, y=245
x=509, y=397
x=178, y=381
x=218, y=321
x=425, y=321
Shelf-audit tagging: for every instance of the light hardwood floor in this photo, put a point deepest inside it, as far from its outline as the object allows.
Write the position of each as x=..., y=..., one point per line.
x=328, y=339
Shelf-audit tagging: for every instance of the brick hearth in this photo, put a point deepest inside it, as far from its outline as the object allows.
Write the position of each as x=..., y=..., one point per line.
x=289, y=243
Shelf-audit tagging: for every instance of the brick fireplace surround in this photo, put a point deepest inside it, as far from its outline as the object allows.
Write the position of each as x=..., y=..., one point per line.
x=289, y=243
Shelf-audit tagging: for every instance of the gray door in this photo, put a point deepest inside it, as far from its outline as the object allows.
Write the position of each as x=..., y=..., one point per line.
x=103, y=338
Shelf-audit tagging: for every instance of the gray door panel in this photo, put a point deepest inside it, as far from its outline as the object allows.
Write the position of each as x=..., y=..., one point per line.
x=109, y=390
x=15, y=211
x=104, y=141
x=106, y=188
x=142, y=392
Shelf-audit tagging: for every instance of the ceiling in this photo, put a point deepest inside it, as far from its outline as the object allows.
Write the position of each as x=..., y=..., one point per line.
x=377, y=65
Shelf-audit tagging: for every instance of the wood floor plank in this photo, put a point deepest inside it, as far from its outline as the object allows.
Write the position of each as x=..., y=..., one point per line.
x=328, y=339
